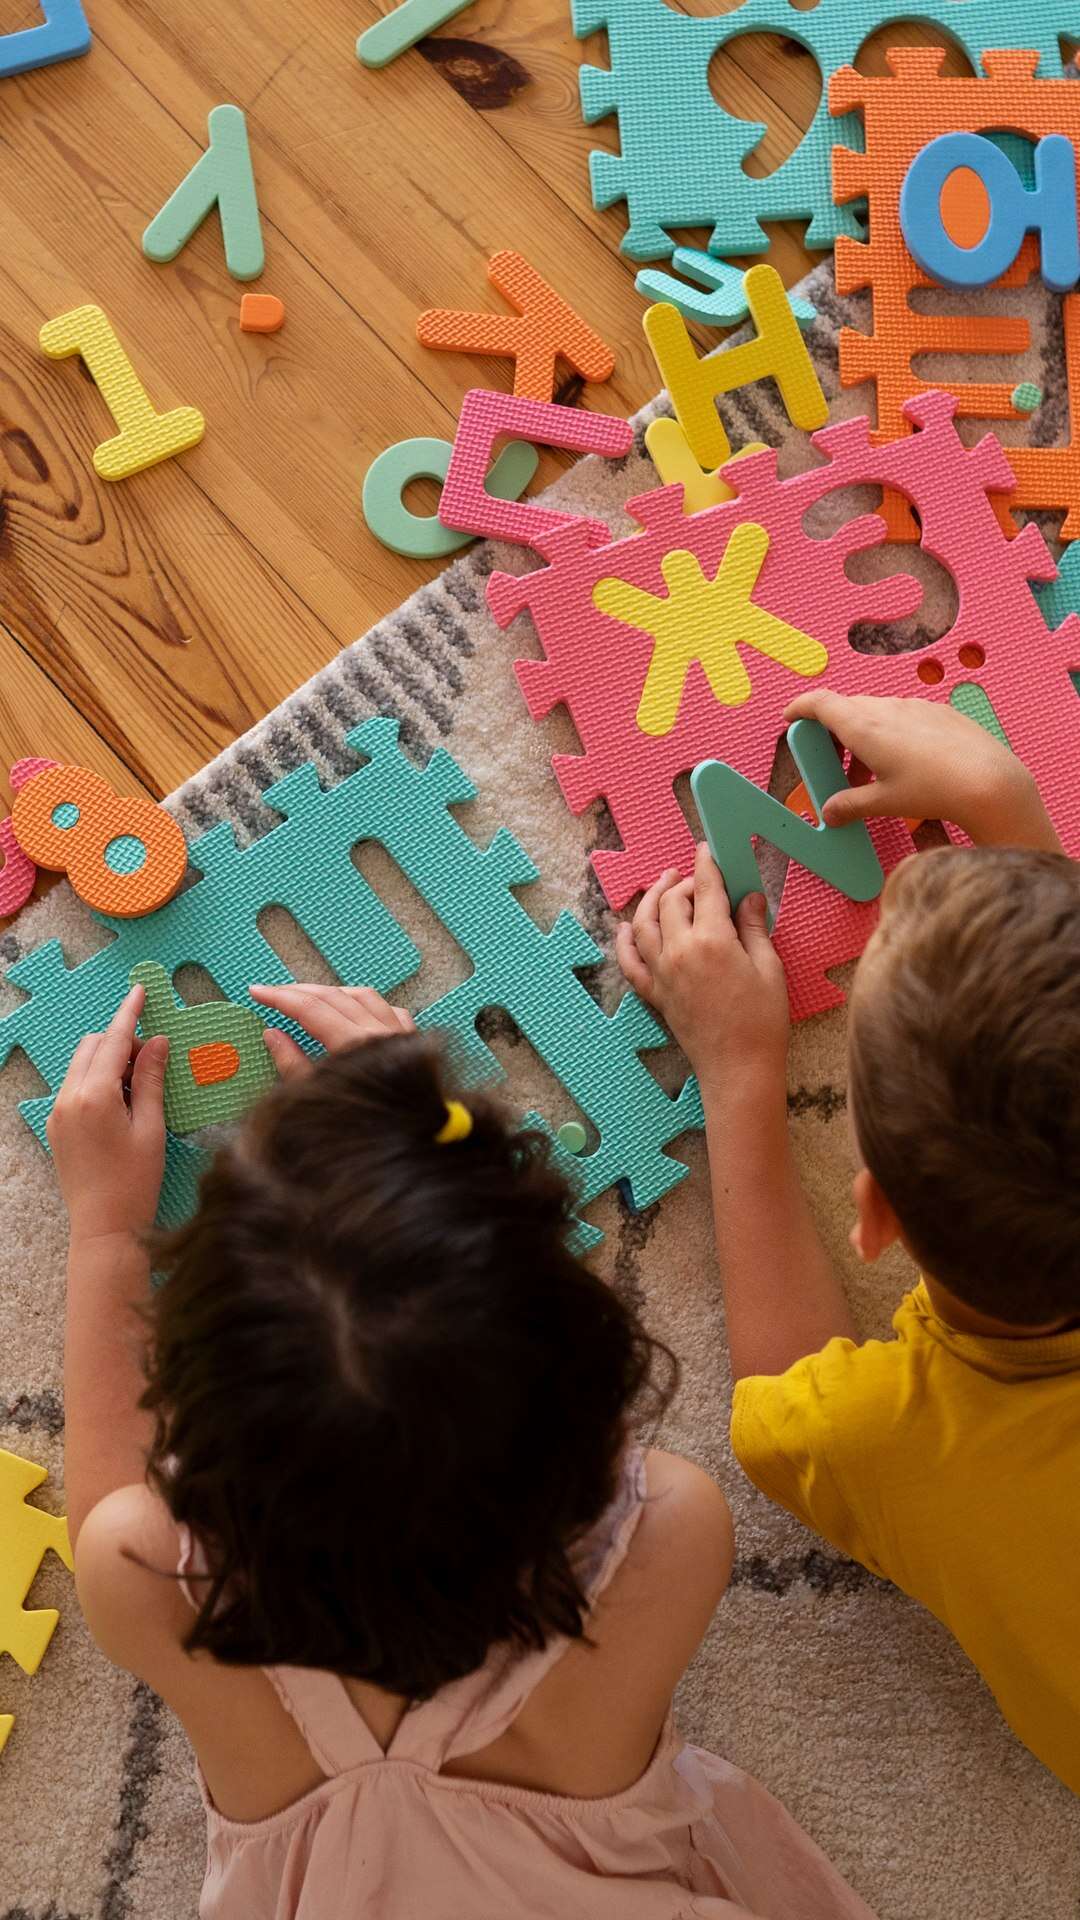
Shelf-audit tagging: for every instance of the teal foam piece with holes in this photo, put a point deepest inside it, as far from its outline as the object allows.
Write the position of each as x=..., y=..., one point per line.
x=422, y=536
x=1062, y=596
x=64, y=34
x=223, y=177
x=734, y=812
x=717, y=299
x=681, y=155
x=303, y=864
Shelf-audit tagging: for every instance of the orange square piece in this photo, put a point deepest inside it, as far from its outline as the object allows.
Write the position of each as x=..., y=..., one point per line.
x=902, y=115
x=261, y=313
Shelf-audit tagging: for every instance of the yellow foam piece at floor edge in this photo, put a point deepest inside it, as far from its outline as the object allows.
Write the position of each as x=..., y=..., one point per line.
x=146, y=436
x=695, y=383
x=669, y=450
x=7, y=1721
x=27, y=1533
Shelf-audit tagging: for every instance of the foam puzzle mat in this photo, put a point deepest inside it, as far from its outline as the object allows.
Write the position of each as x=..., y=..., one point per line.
x=304, y=865
x=597, y=666
x=681, y=158
x=902, y=115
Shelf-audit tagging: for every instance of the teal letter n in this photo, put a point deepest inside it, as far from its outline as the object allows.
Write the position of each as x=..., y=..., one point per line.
x=734, y=813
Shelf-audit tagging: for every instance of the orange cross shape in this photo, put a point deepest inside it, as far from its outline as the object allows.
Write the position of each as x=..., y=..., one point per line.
x=544, y=329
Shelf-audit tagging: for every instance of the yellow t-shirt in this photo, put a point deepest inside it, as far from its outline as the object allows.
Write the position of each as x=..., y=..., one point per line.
x=949, y=1464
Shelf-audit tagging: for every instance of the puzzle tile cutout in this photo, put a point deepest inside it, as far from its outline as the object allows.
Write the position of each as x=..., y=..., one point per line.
x=27, y=1534
x=542, y=330
x=303, y=865
x=681, y=159
x=64, y=34
x=902, y=115
x=597, y=666
x=223, y=177
x=145, y=436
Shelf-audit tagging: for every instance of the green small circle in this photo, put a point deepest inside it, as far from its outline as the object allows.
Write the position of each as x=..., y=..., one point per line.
x=1027, y=396
x=125, y=854
x=65, y=815
x=572, y=1137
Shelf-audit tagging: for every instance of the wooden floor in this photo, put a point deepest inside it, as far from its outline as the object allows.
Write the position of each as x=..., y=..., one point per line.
x=147, y=622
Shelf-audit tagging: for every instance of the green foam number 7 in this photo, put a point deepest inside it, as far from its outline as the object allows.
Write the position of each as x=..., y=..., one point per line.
x=734, y=812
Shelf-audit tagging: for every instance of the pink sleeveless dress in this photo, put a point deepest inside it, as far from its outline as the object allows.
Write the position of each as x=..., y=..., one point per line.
x=390, y=1836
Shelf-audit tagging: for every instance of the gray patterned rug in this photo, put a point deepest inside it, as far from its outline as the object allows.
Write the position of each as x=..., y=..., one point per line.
x=848, y=1700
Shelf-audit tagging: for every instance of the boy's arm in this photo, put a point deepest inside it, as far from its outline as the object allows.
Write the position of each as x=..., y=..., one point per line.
x=721, y=989
x=930, y=762
x=107, y=1134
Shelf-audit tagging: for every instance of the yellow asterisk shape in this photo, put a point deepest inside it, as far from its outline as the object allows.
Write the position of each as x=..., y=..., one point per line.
x=707, y=621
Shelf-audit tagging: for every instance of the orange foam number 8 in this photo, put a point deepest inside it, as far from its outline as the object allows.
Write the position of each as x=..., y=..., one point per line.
x=123, y=856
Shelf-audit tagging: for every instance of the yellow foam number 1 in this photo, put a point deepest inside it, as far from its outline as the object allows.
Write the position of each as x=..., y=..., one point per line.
x=145, y=436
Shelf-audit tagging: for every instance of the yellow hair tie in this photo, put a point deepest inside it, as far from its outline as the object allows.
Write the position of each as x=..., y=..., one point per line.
x=458, y=1125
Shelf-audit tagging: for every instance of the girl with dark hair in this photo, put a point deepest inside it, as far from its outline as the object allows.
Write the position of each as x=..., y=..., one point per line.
x=362, y=1504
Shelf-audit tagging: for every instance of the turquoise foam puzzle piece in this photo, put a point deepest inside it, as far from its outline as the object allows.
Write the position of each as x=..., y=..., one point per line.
x=680, y=163
x=304, y=865
x=63, y=35
x=1062, y=596
x=974, y=700
x=734, y=812
x=722, y=303
x=222, y=177
x=422, y=536
x=402, y=28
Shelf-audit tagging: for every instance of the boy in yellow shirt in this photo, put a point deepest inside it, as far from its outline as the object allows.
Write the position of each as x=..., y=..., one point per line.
x=948, y=1458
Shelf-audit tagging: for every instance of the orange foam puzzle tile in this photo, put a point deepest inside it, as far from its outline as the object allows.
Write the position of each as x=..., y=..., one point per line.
x=261, y=313
x=902, y=115
x=123, y=855
x=543, y=330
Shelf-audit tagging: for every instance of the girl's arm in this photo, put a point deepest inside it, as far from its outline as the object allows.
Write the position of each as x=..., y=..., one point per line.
x=720, y=987
x=107, y=1134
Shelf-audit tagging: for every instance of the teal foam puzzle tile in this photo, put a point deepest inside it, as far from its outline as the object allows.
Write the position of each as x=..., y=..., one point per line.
x=681, y=158
x=303, y=864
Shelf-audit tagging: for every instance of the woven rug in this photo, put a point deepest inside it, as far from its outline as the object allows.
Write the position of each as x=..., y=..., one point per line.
x=848, y=1700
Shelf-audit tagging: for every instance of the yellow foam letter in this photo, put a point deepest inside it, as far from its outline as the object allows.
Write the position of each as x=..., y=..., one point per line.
x=669, y=451
x=694, y=383
x=145, y=437
x=707, y=620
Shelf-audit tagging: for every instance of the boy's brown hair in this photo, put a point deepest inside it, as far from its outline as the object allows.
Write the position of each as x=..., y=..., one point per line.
x=965, y=1074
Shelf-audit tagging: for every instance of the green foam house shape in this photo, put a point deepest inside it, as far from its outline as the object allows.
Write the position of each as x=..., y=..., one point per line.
x=218, y=1061
x=734, y=813
x=222, y=178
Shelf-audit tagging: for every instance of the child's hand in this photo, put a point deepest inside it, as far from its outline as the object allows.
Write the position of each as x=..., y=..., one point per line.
x=716, y=981
x=337, y=1017
x=930, y=763
x=107, y=1129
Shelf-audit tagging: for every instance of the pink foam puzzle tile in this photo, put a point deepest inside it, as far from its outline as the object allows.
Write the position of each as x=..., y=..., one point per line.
x=485, y=417
x=597, y=665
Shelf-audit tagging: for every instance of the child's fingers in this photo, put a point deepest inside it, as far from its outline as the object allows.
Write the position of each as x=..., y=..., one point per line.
x=404, y=1019
x=289, y=1058
x=837, y=711
x=635, y=972
x=869, y=802
x=148, y=1085
x=309, y=1006
x=112, y=1058
x=80, y=1062
x=676, y=910
x=752, y=923
x=711, y=903
x=646, y=921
